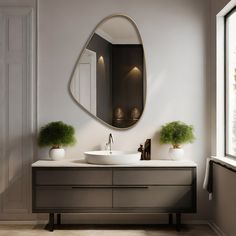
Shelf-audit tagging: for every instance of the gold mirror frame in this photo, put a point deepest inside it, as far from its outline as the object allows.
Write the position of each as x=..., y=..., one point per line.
x=144, y=72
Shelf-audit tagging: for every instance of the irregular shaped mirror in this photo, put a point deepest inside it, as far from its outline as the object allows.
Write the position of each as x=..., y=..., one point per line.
x=108, y=80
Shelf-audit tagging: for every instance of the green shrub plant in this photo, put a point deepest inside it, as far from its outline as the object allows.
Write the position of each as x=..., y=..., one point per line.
x=176, y=133
x=56, y=134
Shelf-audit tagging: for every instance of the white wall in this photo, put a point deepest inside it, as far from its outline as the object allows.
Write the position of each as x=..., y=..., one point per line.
x=175, y=36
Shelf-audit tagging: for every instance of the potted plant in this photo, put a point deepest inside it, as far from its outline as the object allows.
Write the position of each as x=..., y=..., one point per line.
x=176, y=133
x=57, y=135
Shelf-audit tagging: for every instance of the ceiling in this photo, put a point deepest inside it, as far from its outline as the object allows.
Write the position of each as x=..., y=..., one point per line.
x=119, y=30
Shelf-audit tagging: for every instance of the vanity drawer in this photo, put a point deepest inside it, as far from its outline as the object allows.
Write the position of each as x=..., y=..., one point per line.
x=72, y=197
x=152, y=176
x=72, y=176
x=171, y=197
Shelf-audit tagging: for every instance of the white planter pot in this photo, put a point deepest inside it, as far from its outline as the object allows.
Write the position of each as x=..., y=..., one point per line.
x=57, y=154
x=176, y=153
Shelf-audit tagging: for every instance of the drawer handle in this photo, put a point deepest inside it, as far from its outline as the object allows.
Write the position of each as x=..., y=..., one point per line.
x=111, y=187
x=127, y=187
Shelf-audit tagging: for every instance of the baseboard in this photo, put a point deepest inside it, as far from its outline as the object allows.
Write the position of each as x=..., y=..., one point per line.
x=38, y=222
x=23, y=222
x=216, y=229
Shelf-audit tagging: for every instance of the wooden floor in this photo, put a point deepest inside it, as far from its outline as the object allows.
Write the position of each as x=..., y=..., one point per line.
x=160, y=230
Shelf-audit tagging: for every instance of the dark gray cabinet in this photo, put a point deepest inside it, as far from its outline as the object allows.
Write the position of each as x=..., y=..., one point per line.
x=158, y=198
x=63, y=198
x=105, y=189
x=152, y=176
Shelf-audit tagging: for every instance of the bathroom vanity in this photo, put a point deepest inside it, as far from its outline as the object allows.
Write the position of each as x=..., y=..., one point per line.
x=73, y=186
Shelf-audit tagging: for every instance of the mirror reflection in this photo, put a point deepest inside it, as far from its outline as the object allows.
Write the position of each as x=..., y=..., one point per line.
x=108, y=79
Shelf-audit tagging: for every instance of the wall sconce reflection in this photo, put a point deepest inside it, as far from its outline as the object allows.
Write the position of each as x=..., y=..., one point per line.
x=135, y=72
x=135, y=113
x=136, y=69
x=119, y=114
x=101, y=60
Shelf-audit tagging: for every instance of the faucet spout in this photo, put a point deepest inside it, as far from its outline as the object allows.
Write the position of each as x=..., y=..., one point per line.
x=110, y=141
x=111, y=138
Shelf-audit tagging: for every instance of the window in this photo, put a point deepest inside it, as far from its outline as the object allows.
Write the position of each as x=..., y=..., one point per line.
x=230, y=83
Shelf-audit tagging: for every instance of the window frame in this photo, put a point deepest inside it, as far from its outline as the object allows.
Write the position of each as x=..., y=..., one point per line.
x=233, y=10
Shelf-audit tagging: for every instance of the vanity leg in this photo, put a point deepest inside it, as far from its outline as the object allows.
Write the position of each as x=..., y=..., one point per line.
x=59, y=219
x=170, y=219
x=178, y=221
x=51, y=222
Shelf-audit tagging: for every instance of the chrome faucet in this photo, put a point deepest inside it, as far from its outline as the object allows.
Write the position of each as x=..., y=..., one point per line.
x=110, y=140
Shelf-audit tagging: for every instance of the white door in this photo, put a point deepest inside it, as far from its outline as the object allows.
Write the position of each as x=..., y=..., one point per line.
x=16, y=111
x=84, y=81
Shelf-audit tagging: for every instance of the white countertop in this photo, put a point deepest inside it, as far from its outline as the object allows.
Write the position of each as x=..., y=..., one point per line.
x=83, y=163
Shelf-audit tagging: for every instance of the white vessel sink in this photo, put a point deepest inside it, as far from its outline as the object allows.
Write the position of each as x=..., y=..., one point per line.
x=113, y=158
